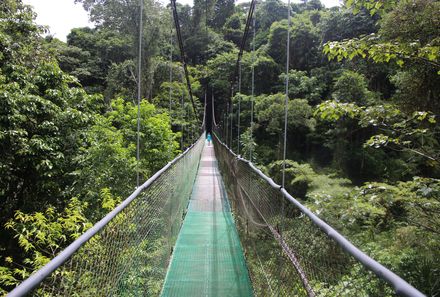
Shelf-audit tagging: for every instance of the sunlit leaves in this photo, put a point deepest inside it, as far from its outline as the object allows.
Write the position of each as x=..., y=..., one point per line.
x=408, y=34
x=371, y=47
x=42, y=235
x=334, y=110
x=373, y=6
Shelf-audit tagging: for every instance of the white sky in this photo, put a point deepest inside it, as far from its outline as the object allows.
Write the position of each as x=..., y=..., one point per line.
x=63, y=15
x=60, y=15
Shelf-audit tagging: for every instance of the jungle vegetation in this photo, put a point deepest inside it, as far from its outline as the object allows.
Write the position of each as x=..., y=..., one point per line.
x=363, y=122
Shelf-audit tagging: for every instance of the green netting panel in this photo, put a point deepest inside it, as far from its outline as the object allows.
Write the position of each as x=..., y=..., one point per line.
x=208, y=259
x=286, y=253
x=130, y=255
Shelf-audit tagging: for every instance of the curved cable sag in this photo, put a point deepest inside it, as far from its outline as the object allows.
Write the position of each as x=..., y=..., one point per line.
x=204, y=114
x=213, y=111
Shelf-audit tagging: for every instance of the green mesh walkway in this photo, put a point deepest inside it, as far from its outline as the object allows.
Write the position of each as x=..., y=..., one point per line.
x=208, y=259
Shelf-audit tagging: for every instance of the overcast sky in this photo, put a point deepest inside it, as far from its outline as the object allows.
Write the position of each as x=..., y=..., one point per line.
x=63, y=15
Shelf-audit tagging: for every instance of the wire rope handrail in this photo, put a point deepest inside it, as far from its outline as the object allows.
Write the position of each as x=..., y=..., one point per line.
x=127, y=244
x=327, y=264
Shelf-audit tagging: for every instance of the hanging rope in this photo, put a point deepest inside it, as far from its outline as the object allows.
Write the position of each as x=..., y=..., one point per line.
x=286, y=100
x=252, y=90
x=182, y=103
x=171, y=70
x=139, y=92
x=170, y=144
x=213, y=110
x=204, y=113
x=239, y=109
x=185, y=116
x=171, y=88
x=232, y=119
x=226, y=122
x=182, y=56
x=237, y=70
x=310, y=292
x=243, y=40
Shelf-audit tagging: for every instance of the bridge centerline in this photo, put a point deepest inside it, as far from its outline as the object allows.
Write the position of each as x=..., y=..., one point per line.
x=208, y=258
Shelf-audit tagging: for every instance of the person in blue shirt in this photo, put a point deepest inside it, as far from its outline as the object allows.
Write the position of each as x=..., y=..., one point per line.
x=209, y=138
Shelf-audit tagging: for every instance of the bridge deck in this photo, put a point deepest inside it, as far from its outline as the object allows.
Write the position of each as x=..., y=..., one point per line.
x=208, y=259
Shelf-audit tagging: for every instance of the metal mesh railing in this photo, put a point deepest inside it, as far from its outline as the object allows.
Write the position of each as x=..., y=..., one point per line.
x=128, y=252
x=291, y=252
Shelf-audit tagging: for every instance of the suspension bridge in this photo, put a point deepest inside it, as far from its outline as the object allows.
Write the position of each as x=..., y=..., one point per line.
x=210, y=223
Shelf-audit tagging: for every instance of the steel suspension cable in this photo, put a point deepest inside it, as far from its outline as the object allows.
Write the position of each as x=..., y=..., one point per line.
x=171, y=71
x=252, y=89
x=169, y=241
x=226, y=123
x=309, y=290
x=232, y=120
x=213, y=110
x=243, y=40
x=183, y=56
x=139, y=92
x=171, y=82
x=182, y=104
x=286, y=100
x=111, y=254
x=237, y=71
x=239, y=109
x=330, y=264
x=204, y=110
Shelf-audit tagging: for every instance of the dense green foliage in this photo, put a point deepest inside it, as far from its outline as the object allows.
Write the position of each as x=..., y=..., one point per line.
x=363, y=128
x=68, y=156
x=363, y=131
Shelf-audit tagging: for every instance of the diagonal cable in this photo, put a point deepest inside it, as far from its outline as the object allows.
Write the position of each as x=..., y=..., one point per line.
x=183, y=56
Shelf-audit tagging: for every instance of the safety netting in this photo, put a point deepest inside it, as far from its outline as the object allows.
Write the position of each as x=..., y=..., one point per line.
x=129, y=256
x=287, y=253
x=207, y=258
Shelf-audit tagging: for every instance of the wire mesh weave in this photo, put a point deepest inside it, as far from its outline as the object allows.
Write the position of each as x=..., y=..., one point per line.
x=130, y=255
x=286, y=253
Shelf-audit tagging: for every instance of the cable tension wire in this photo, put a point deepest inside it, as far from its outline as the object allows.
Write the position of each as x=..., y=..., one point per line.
x=182, y=55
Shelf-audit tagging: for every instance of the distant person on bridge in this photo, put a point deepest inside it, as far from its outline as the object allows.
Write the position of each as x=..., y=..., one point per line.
x=209, y=138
